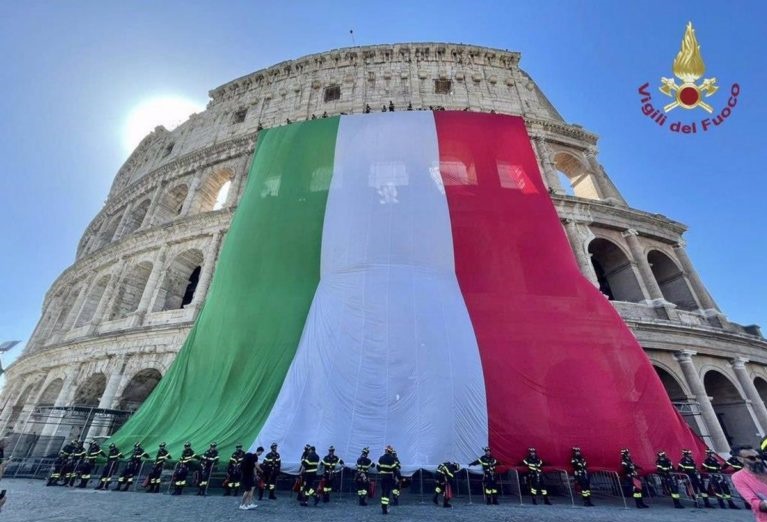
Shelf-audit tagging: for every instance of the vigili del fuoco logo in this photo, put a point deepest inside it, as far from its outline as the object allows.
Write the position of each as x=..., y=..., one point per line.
x=689, y=95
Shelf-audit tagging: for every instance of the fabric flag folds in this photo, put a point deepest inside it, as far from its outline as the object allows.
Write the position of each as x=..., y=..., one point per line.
x=403, y=278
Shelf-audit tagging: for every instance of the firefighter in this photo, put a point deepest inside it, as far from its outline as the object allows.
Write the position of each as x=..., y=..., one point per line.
x=386, y=466
x=581, y=474
x=444, y=476
x=110, y=467
x=209, y=460
x=58, y=468
x=182, y=469
x=308, y=472
x=88, y=463
x=397, y=477
x=299, y=481
x=68, y=468
x=234, y=472
x=76, y=459
x=688, y=466
x=716, y=481
x=271, y=466
x=534, y=466
x=162, y=456
x=489, y=484
x=630, y=476
x=331, y=464
x=361, y=478
x=664, y=467
x=132, y=468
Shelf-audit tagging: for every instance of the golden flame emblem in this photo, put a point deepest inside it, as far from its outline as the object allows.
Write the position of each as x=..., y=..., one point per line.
x=688, y=67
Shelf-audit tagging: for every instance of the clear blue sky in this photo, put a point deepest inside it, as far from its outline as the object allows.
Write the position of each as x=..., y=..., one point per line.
x=71, y=71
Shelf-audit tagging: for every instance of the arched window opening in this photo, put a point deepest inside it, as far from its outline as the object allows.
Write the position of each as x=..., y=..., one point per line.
x=180, y=281
x=89, y=393
x=18, y=407
x=131, y=289
x=194, y=278
x=51, y=393
x=687, y=408
x=761, y=388
x=574, y=176
x=214, y=190
x=671, y=280
x=66, y=310
x=731, y=410
x=91, y=303
x=223, y=194
x=136, y=217
x=138, y=389
x=107, y=233
x=615, y=273
x=171, y=204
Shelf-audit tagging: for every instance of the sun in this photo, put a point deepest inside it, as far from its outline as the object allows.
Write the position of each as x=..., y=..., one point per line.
x=168, y=111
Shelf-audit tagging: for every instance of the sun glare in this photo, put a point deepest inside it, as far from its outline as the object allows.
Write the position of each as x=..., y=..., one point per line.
x=169, y=111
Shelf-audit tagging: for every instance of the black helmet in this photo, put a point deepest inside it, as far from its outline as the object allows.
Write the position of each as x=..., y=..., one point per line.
x=307, y=447
x=137, y=445
x=212, y=444
x=365, y=450
x=531, y=450
x=112, y=446
x=238, y=446
x=486, y=449
x=162, y=444
x=274, y=445
x=389, y=449
x=331, y=449
x=187, y=444
x=661, y=453
x=686, y=452
x=709, y=451
x=576, y=449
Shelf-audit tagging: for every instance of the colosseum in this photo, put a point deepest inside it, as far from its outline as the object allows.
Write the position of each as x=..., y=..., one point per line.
x=113, y=321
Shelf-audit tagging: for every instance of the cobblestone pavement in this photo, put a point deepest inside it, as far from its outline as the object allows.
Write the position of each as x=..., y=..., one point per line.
x=31, y=501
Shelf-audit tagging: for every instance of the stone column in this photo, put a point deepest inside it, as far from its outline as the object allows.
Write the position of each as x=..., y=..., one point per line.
x=211, y=255
x=66, y=395
x=149, y=217
x=238, y=181
x=107, y=302
x=107, y=398
x=579, y=247
x=757, y=404
x=150, y=289
x=648, y=278
x=119, y=231
x=549, y=170
x=190, y=195
x=606, y=189
x=715, y=431
x=706, y=302
x=75, y=310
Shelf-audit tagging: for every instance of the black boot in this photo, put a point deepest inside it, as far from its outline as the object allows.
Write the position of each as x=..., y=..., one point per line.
x=384, y=509
x=326, y=498
x=731, y=504
x=535, y=502
x=446, y=504
x=546, y=500
x=362, y=500
x=495, y=500
x=677, y=504
x=227, y=491
x=587, y=502
x=435, y=499
x=488, y=499
x=640, y=503
x=272, y=496
x=395, y=500
x=260, y=494
x=707, y=503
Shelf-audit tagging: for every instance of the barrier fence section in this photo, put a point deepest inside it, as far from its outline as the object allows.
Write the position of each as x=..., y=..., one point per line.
x=607, y=483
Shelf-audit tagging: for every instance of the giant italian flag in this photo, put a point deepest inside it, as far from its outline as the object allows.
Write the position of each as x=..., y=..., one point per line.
x=403, y=278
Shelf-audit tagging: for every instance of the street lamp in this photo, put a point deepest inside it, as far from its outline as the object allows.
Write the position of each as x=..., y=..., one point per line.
x=4, y=347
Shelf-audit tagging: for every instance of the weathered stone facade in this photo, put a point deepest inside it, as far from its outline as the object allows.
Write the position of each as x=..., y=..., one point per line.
x=112, y=322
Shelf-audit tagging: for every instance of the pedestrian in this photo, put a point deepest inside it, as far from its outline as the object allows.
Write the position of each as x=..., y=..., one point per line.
x=751, y=482
x=249, y=468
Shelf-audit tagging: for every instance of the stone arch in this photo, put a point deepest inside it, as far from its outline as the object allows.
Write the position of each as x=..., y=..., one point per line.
x=51, y=393
x=136, y=217
x=92, y=300
x=671, y=280
x=678, y=397
x=89, y=393
x=138, y=389
x=180, y=281
x=171, y=203
x=18, y=407
x=108, y=230
x=131, y=289
x=212, y=188
x=615, y=272
x=66, y=309
x=574, y=173
x=731, y=409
